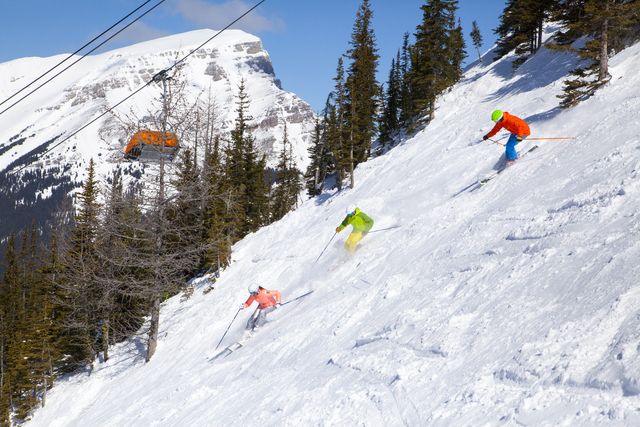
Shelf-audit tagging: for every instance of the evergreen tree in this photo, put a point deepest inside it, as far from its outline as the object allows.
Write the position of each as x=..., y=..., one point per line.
x=187, y=214
x=390, y=122
x=476, y=38
x=319, y=161
x=457, y=53
x=362, y=87
x=287, y=187
x=520, y=29
x=609, y=25
x=223, y=209
x=80, y=290
x=246, y=171
x=405, y=102
x=13, y=366
x=338, y=124
x=436, y=56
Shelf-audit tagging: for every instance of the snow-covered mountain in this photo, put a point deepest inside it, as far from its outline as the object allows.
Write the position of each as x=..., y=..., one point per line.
x=99, y=82
x=516, y=304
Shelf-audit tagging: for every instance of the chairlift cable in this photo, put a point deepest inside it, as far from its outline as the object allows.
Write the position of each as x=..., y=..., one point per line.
x=81, y=58
x=76, y=52
x=153, y=79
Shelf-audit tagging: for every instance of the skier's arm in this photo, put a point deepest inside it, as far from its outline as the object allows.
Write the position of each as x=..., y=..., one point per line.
x=369, y=222
x=495, y=130
x=249, y=301
x=344, y=223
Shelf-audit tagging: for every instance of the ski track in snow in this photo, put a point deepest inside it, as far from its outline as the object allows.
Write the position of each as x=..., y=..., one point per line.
x=516, y=304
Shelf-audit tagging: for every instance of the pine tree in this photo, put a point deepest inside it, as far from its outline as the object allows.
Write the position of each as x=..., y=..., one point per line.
x=390, y=122
x=287, y=187
x=609, y=24
x=78, y=280
x=457, y=53
x=362, y=87
x=436, y=56
x=520, y=29
x=187, y=214
x=405, y=102
x=256, y=189
x=12, y=362
x=476, y=38
x=338, y=124
x=218, y=204
x=320, y=161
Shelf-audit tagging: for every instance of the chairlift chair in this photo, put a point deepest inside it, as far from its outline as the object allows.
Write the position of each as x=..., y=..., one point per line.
x=148, y=145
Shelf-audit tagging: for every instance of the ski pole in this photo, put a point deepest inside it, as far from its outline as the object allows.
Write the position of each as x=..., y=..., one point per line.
x=556, y=138
x=225, y=332
x=385, y=229
x=325, y=248
x=495, y=142
x=296, y=298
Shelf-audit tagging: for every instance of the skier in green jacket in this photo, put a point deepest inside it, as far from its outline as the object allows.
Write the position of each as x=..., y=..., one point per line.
x=361, y=225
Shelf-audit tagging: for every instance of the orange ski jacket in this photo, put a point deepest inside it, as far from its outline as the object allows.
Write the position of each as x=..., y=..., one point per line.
x=513, y=124
x=264, y=297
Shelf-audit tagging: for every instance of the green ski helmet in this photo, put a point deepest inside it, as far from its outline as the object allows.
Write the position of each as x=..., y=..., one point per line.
x=496, y=115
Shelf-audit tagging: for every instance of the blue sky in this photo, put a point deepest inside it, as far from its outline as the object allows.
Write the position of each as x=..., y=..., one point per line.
x=303, y=37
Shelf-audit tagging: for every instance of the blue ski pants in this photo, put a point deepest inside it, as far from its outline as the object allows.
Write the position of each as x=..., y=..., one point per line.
x=511, y=153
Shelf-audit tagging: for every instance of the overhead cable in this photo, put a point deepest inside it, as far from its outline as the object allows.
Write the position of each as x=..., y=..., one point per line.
x=79, y=59
x=74, y=53
x=155, y=78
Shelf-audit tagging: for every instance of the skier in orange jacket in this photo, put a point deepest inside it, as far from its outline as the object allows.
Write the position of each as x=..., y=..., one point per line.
x=519, y=130
x=267, y=302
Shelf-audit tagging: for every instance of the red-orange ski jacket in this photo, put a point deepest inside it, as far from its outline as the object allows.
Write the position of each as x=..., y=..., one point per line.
x=265, y=298
x=513, y=124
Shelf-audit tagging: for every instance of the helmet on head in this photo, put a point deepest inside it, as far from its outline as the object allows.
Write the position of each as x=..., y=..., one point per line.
x=496, y=115
x=253, y=288
x=350, y=210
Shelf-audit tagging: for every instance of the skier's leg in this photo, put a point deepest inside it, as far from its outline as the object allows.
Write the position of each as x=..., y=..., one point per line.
x=251, y=323
x=511, y=153
x=352, y=241
x=262, y=317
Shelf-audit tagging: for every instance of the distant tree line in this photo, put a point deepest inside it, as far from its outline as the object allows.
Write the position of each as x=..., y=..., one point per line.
x=101, y=276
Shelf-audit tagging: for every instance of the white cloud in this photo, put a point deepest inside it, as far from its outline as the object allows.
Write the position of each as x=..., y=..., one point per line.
x=217, y=16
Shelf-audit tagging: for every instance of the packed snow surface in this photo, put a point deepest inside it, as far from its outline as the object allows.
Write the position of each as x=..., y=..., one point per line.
x=516, y=304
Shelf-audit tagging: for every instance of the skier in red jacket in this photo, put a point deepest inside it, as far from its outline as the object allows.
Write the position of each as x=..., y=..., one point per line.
x=519, y=130
x=267, y=302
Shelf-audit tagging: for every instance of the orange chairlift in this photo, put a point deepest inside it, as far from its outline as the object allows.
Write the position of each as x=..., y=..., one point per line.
x=147, y=145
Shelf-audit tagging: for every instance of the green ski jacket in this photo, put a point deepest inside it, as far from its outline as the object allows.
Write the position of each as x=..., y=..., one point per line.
x=360, y=221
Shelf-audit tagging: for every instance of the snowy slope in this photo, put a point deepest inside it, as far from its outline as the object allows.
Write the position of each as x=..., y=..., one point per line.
x=516, y=304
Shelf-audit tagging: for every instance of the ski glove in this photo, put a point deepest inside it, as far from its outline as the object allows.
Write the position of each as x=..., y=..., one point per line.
x=338, y=229
x=484, y=138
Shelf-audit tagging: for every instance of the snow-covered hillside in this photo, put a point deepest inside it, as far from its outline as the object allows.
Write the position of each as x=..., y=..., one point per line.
x=98, y=83
x=517, y=304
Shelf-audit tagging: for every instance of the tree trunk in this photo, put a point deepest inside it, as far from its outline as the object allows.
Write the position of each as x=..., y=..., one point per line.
x=160, y=285
x=105, y=339
x=540, y=28
x=153, y=329
x=603, y=73
x=352, y=177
